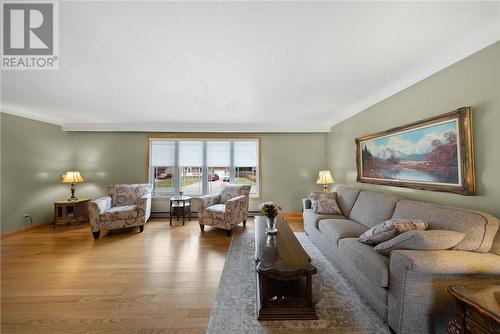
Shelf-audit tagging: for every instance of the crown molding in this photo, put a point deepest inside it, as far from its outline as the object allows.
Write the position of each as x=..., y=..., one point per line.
x=196, y=127
x=35, y=116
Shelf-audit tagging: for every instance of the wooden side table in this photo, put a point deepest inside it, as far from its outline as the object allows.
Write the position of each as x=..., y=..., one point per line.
x=478, y=310
x=71, y=210
x=180, y=206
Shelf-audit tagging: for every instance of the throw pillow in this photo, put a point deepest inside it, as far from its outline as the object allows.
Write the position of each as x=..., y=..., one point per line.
x=421, y=240
x=389, y=229
x=324, y=203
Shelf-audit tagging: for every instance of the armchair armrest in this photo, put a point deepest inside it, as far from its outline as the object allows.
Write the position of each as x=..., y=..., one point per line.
x=306, y=204
x=144, y=207
x=232, y=204
x=97, y=207
x=206, y=201
x=100, y=205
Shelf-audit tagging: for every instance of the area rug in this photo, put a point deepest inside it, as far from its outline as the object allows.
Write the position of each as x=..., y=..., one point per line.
x=339, y=307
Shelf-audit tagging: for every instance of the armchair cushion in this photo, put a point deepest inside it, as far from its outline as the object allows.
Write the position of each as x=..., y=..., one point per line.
x=206, y=201
x=119, y=213
x=216, y=211
x=233, y=190
x=128, y=194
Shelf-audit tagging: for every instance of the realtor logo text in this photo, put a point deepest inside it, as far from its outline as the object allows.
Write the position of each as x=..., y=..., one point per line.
x=30, y=35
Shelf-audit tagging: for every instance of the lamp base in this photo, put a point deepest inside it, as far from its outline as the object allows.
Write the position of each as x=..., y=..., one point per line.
x=72, y=198
x=325, y=188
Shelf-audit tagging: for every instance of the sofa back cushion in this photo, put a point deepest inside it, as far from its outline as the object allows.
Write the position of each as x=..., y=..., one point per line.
x=346, y=197
x=233, y=190
x=128, y=194
x=479, y=228
x=372, y=208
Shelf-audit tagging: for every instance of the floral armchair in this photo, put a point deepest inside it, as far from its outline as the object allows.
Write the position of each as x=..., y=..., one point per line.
x=225, y=210
x=126, y=205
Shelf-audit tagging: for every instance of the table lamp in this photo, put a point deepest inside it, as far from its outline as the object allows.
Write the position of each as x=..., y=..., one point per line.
x=72, y=177
x=325, y=178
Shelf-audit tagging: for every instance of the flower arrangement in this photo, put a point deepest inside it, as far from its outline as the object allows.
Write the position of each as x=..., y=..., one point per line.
x=269, y=209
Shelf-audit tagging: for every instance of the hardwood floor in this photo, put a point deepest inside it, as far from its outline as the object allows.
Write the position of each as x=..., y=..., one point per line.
x=163, y=280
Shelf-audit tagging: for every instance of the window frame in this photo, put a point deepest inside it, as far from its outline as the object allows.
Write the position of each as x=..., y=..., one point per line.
x=178, y=138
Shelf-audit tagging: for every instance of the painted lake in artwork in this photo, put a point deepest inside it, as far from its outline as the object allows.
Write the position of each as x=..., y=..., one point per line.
x=425, y=154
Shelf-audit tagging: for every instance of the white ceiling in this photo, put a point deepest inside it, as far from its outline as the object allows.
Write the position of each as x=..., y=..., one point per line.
x=241, y=66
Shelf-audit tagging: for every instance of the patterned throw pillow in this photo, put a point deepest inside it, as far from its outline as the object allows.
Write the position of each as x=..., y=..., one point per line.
x=389, y=229
x=324, y=203
x=421, y=240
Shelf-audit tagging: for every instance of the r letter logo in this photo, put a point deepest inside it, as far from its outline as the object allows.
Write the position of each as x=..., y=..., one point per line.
x=30, y=35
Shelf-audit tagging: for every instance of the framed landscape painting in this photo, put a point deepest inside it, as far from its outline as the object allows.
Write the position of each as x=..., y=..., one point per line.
x=432, y=154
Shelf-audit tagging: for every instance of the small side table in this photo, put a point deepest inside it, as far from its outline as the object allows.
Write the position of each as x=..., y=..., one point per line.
x=478, y=309
x=180, y=206
x=71, y=210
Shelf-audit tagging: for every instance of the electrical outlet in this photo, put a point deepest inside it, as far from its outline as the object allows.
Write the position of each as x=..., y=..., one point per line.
x=27, y=218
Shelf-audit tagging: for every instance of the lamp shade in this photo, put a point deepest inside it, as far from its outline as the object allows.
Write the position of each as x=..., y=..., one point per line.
x=72, y=177
x=325, y=177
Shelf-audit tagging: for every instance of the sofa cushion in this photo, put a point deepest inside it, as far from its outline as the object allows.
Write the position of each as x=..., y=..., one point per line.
x=366, y=261
x=346, y=197
x=479, y=228
x=324, y=203
x=314, y=218
x=389, y=229
x=372, y=208
x=421, y=240
x=335, y=229
x=495, y=248
x=119, y=213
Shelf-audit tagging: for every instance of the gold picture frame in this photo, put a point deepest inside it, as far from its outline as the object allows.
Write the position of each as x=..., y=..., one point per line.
x=436, y=154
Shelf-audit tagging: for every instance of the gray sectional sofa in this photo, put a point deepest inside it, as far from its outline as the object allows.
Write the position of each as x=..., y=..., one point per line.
x=409, y=288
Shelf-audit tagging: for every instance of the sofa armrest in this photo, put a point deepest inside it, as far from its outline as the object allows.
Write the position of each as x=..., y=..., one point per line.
x=447, y=262
x=96, y=208
x=306, y=204
x=144, y=207
x=206, y=201
x=418, y=298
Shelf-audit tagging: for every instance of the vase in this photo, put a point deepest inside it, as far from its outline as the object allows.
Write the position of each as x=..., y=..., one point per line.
x=271, y=226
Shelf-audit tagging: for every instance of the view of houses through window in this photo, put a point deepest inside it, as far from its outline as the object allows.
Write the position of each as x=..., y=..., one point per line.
x=202, y=166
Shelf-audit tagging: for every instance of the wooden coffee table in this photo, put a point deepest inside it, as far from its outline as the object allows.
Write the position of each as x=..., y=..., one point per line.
x=284, y=274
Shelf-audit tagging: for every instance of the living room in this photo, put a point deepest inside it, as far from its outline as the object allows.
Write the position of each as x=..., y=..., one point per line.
x=250, y=167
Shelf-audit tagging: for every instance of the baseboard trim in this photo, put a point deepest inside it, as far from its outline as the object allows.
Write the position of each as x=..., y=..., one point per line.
x=291, y=215
x=23, y=229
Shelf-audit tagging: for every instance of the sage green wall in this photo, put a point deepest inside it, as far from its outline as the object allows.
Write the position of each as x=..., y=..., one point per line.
x=290, y=163
x=474, y=81
x=33, y=156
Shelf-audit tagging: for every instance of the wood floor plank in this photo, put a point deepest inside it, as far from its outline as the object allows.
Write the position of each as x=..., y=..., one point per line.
x=163, y=280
